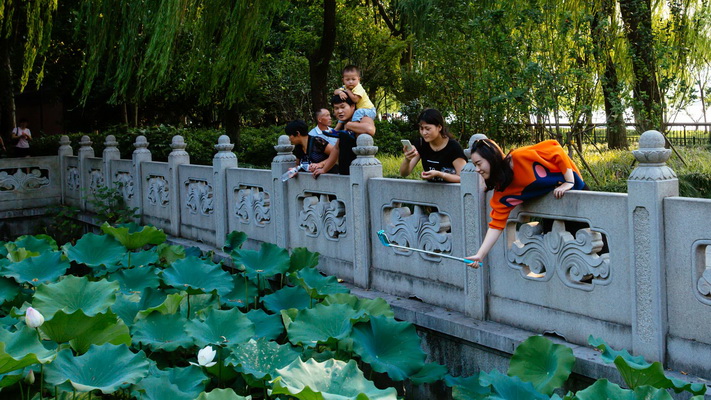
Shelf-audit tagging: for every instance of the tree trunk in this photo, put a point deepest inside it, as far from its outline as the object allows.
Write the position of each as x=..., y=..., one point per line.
x=232, y=126
x=320, y=59
x=647, y=105
x=7, y=115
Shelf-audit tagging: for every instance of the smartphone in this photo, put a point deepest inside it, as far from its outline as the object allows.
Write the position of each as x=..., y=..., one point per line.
x=406, y=143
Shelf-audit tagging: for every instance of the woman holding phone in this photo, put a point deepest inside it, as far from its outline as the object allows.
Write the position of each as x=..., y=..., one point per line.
x=442, y=157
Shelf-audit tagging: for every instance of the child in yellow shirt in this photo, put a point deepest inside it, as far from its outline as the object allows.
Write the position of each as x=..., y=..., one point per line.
x=353, y=89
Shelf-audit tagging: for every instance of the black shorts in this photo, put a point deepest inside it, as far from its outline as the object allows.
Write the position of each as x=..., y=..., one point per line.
x=22, y=152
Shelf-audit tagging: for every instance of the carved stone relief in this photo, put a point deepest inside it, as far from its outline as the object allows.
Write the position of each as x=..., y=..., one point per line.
x=96, y=180
x=703, y=284
x=322, y=213
x=73, y=178
x=21, y=180
x=253, y=205
x=199, y=197
x=575, y=259
x=124, y=182
x=158, y=191
x=418, y=226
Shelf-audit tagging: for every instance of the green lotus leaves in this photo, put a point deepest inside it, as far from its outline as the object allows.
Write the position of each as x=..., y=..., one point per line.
x=159, y=388
x=47, y=267
x=189, y=381
x=169, y=254
x=200, y=304
x=170, y=305
x=81, y=331
x=136, y=280
x=228, y=327
x=234, y=241
x=430, y=372
x=467, y=388
x=133, y=236
x=8, y=290
x=261, y=358
x=37, y=243
x=21, y=348
x=330, y=380
x=270, y=260
x=11, y=378
x=317, y=285
x=510, y=387
x=287, y=297
x=268, y=326
x=321, y=324
x=609, y=354
x=17, y=254
x=162, y=332
x=242, y=294
x=301, y=258
x=373, y=307
x=545, y=364
x=106, y=368
x=389, y=346
x=139, y=259
x=72, y=294
x=197, y=276
x=604, y=389
x=127, y=307
x=95, y=251
x=221, y=394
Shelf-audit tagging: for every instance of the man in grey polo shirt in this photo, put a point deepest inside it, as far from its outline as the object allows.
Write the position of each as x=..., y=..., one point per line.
x=323, y=123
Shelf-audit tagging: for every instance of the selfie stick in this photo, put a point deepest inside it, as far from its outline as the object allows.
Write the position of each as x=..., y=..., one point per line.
x=386, y=242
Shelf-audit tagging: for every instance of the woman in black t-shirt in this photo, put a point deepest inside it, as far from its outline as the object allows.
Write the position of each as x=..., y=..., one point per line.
x=308, y=149
x=442, y=156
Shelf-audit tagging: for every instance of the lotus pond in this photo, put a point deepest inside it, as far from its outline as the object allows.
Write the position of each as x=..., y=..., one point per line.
x=123, y=315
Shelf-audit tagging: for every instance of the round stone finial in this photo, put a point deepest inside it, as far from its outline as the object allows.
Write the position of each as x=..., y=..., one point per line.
x=64, y=140
x=284, y=146
x=472, y=139
x=85, y=141
x=284, y=140
x=364, y=146
x=178, y=143
x=651, y=148
x=141, y=142
x=224, y=148
x=111, y=141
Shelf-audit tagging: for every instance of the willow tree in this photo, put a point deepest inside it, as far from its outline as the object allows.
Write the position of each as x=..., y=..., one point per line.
x=206, y=50
x=25, y=32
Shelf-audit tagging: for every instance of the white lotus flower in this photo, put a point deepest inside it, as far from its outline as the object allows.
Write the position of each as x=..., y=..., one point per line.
x=205, y=357
x=33, y=318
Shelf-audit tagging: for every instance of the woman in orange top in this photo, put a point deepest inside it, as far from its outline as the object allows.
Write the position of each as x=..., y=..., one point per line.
x=525, y=173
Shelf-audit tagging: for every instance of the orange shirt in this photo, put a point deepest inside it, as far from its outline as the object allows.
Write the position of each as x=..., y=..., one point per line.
x=537, y=170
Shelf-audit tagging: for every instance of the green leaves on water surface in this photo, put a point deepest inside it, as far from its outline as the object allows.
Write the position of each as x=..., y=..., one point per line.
x=162, y=332
x=261, y=358
x=322, y=324
x=82, y=331
x=106, y=368
x=133, y=236
x=171, y=383
x=329, y=380
x=20, y=349
x=603, y=389
x=95, y=251
x=317, y=285
x=270, y=260
x=301, y=258
x=287, y=297
x=72, y=294
x=44, y=268
x=234, y=241
x=196, y=275
x=543, y=363
x=221, y=327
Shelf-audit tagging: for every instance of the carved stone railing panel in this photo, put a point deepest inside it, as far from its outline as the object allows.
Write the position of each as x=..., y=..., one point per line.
x=575, y=259
x=73, y=181
x=703, y=283
x=422, y=227
x=158, y=191
x=253, y=205
x=124, y=182
x=322, y=212
x=23, y=179
x=96, y=180
x=199, y=197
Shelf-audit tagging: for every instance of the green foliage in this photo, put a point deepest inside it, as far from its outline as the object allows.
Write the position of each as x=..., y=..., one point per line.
x=545, y=364
x=110, y=205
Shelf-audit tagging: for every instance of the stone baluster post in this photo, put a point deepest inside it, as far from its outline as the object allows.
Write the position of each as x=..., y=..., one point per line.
x=284, y=160
x=176, y=157
x=140, y=154
x=85, y=151
x=65, y=149
x=647, y=187
x=475, y=223
x=224, y=158
x=111, y=152
x=364, y=167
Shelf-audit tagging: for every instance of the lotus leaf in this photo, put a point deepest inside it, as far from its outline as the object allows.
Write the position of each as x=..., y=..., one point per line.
x=242, y=293
x=287, y=297
x=430, y=372
x=322, y=324
x=47, y=267
x=21, y=348
x=197, y=276
x=106, y=367
x=127, y=307
x=8, y=290
x=11, y=378
x=136, y=279
x=193, y=251
x=221, y=394
x=317, y=285
x=162, y=332
x=169, y=254
x=16, y=254
x=287, y=316
x=267, y=326
x=373, y=307
x=229, y=327
x=81, y=331
x=270, y=260
x=159, y=388
x=234, y=241
x=467, y=388
x=509, y=387
x=330, y=380
x=139, y=259
x=609, y=354
x=189, y=380
x=389, y=346
x=37, y=243
x=301, y=258
x=72, y=294
x=95, y=251
x=134, y=238
x=170, y=305
x=199, y=304
x=603, y=389
x=3, y=249
x=261, y=358
x=545, y=364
